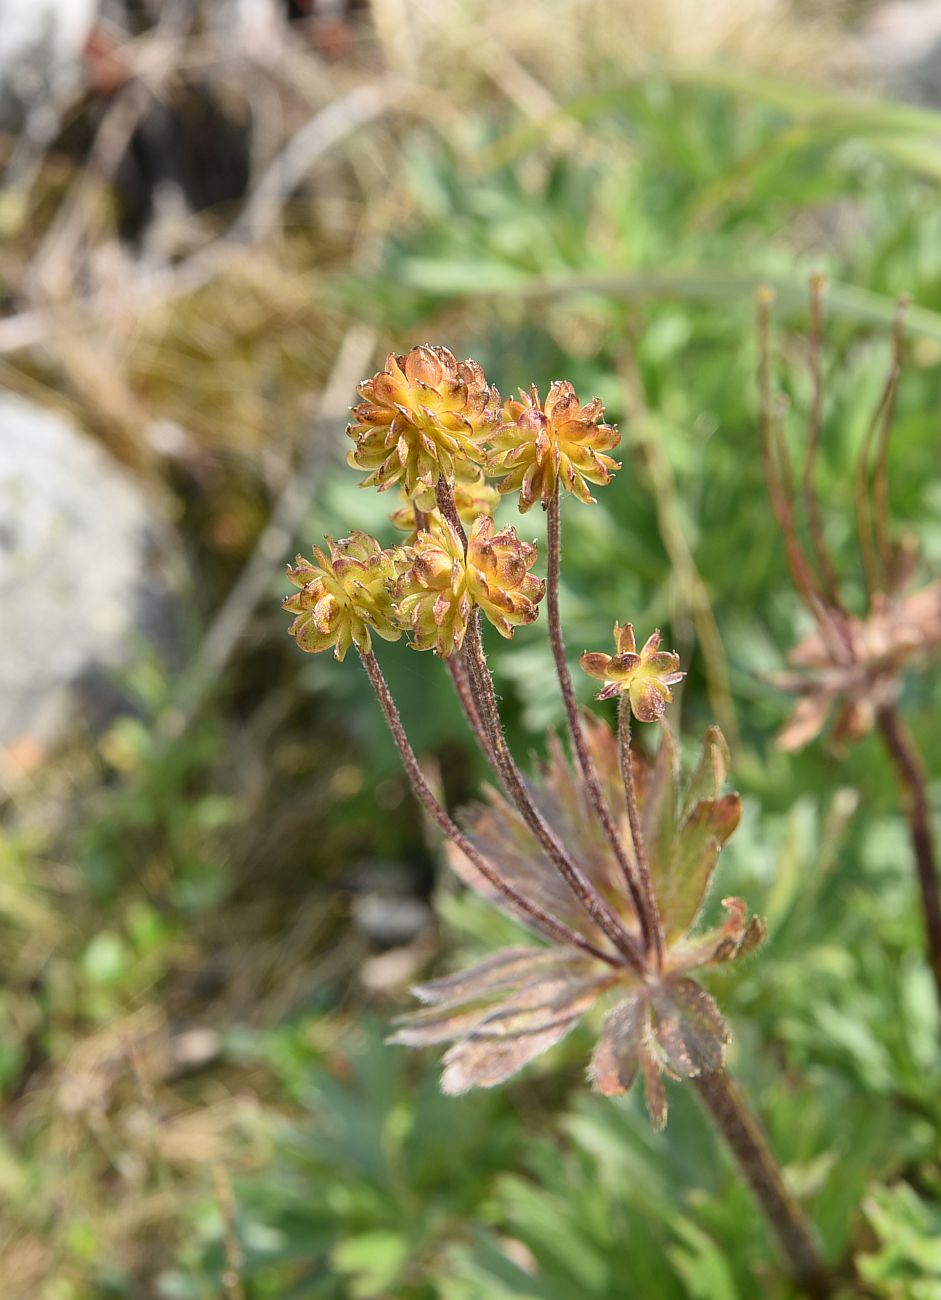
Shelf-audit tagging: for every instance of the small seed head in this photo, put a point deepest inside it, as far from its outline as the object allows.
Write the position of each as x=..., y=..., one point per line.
x=538, y=446
x=646, y=677
x=421, y=417
x=344, y=595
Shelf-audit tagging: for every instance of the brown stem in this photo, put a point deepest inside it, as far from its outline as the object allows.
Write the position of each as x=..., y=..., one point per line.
x=444, y=499
x=746, y=1139
x=510, y=776
x=779, y=480
x=648, y=920
x=814, y=423
x=515, y=786
x=911, y=774
x=626, y=763
x=462, y=686
x=546, y=923
x=880, y=482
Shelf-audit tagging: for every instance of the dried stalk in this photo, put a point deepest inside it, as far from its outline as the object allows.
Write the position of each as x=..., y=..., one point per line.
x=881, y=420
x=880, y=481
x=780, y=488
x=910, y=771
x=814, y=424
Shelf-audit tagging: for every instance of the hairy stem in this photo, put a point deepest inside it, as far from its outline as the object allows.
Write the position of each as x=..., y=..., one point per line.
x=457, y=666
x=515, y=786
x=547, y=924
x=626, y=764
x=742, y=1132
x=911, y=775
x=649, y=921
x=462, y=686
x=510, y=776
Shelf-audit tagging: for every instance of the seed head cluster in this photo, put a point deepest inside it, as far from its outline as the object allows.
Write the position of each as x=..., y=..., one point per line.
x=434, y=428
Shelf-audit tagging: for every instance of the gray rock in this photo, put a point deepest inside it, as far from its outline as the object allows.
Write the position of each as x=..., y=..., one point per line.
x=41, y=44
x=903, y=42
x=84, y=573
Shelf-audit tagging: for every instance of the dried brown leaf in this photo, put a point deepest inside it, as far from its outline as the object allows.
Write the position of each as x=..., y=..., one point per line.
x=513, y=1035
x=688, y=1028
x=616, y=1058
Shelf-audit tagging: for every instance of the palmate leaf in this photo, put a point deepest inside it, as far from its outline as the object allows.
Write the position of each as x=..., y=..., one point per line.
x=513, y=1034
x=502, y=836
x=503, y=970
x=509, y=1008
x=688, y=1028
x=672, y=1026
x=616, y=1057
x=739, y=935
x=504, y=1011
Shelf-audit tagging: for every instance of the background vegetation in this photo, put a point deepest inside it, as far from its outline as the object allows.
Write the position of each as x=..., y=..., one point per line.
x=211, y=909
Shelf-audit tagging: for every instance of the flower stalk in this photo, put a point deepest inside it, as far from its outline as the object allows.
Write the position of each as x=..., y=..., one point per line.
x=512, y=778
x=639, y=890
x=626, y=764
x=745, y=1138
x=429, y=801
x=515, y=786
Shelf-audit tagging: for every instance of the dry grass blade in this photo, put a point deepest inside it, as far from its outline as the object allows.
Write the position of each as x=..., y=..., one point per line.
x=223, y=636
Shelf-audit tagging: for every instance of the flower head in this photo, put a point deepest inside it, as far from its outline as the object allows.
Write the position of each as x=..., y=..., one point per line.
x=437, y=593
x=538, y=446
x=646, y=677
x=518, y=1002
x=424, y=415
x=431, y=596
x=499, y=578
x=344, y=594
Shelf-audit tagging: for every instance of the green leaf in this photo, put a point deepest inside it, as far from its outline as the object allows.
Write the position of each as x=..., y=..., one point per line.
x=106, y=960
x=373, y=1261
x=682, y=881
x=710, y=773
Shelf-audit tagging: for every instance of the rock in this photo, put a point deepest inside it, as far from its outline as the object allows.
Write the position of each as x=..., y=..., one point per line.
x=390, y=921
x=41, y=44
x=903, y=42
x=85, y=560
